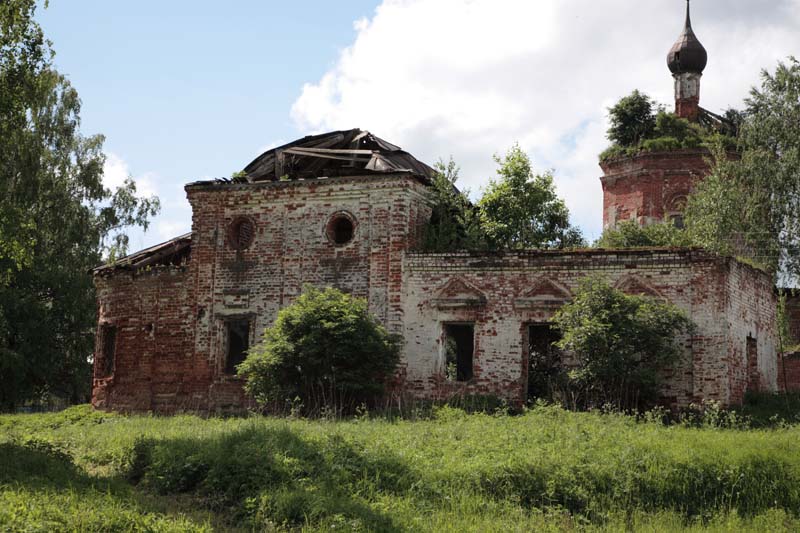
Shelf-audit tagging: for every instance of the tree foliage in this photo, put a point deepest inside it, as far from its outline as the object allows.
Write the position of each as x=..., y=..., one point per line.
x=632, y=119
x=751, y=207
x=56, y=219
x=629, y=234
x=326, y=350
x=638, y=124
x=619, y=342
x=454, y=224
x=521, y=209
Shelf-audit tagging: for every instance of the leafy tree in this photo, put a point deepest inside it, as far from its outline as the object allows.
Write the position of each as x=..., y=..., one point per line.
x=325, y=349
x=638, y=124
x=629, y=234
x=620, y=343
x=750, y=207
x=632, y=119
x=521, y=210
x=56, y=219
x=454, y=224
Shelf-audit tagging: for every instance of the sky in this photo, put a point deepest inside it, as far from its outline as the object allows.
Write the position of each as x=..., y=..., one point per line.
x=191, y=90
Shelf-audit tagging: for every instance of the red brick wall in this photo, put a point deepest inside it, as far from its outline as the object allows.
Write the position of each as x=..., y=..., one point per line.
x=789, y=372
x=648, y=187
x=154, y=368
x=179, y=362
x=789, y=364
x=751, y=311
x=182, y=367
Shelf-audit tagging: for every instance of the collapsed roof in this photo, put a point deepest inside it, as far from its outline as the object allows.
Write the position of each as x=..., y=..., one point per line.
x=174, y=252
x=339, y=153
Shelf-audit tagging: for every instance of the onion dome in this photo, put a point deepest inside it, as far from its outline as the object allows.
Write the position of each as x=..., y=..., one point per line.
x=687, y=54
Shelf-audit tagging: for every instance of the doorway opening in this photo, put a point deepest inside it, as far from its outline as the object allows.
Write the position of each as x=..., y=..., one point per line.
x=544, y=361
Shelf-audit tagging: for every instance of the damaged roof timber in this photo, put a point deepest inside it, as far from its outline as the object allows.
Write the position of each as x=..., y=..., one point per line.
x=338, y=153
x=175, y=252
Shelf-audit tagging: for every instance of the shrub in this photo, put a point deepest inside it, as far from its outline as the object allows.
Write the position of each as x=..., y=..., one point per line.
x=326, y=350
x=620, y=343
x=629, y=234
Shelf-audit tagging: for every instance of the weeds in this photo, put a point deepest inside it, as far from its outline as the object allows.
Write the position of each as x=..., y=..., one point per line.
x=546, y=470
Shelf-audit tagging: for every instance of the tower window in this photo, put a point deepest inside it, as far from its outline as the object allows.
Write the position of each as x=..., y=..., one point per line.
x=340, y=229
x=238, y=344
x=108, y=347
x=459, y=348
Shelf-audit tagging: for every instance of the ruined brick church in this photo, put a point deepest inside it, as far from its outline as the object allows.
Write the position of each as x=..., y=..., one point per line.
x=348, y=209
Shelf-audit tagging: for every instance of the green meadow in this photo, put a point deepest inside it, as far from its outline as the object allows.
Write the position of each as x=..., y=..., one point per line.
x=544, y=470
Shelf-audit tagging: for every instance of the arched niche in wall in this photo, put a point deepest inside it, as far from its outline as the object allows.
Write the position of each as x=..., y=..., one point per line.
x=674, y=210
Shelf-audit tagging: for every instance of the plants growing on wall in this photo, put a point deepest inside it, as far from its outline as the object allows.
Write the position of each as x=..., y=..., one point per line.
x=638, y=124
x=629, y=234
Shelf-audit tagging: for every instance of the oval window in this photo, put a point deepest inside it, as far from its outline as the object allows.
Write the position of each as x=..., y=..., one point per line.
x=341, y=229
x=241, y=233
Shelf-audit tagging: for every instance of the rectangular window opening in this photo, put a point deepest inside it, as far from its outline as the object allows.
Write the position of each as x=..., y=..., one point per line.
x=108, y=340
x=238, y=344
x=459, y=344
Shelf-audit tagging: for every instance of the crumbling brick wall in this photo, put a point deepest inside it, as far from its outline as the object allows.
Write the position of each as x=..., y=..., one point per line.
x=752, y=335
x=502, y=293
x=172, y=322
x=191, y=307
x=789, y=362
x=153, y=369
x=650, y=186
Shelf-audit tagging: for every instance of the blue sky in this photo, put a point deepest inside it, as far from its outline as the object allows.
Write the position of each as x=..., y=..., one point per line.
x=195, y=90
x=186, y=90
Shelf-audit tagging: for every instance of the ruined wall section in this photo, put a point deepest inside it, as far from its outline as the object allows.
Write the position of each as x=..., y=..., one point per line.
x=291, y=248
x=789, y=362
x=153, y=368
x=752, y=335
x=501, y=294
x=512, y=291
x=650, y=186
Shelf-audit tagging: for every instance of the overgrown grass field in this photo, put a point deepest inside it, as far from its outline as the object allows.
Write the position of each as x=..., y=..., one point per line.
x=544, y=470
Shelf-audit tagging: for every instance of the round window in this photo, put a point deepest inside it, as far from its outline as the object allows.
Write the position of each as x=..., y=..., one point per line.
x=241, y=233
x=341, y=229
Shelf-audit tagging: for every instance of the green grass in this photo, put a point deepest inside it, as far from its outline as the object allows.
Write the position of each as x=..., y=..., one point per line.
x=546, y=470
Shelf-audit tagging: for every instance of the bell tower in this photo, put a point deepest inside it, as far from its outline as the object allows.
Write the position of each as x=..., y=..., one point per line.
x=652, y=186
x=686, y=60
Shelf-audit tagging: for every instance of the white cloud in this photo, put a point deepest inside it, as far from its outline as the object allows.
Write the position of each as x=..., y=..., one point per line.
x=116, y=171
x=468, y=78
x=175, y=216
